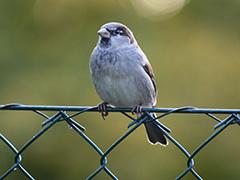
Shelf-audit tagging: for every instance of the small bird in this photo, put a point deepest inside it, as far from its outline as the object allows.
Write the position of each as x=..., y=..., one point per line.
x=123, y=76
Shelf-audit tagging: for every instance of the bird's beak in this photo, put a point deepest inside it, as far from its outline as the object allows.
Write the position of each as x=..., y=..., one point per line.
x=104, y=33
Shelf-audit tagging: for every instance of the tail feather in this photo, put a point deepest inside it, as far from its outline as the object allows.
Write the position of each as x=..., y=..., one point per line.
x=155, y=134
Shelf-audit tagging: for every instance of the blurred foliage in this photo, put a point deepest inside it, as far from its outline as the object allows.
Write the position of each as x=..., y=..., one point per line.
x=44, y=52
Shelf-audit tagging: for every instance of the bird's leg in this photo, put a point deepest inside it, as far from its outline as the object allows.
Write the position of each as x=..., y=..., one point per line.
x=102, y=108
x=136, y=110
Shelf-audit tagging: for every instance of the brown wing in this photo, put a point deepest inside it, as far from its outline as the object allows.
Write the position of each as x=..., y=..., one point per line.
x=149, y=71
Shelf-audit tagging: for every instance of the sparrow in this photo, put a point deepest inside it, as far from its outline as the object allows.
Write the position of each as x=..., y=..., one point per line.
x=123, y=76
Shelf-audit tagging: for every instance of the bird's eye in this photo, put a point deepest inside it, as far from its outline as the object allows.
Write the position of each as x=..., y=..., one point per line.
x=116, y=32
x=119, y=31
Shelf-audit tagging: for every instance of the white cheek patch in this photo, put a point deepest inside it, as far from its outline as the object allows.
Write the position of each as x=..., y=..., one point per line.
x=119, y=40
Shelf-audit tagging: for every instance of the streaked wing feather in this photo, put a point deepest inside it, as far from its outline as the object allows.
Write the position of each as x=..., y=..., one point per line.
x=149, y=71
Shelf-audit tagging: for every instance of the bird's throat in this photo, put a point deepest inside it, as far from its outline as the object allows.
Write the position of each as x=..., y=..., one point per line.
x=105, y=42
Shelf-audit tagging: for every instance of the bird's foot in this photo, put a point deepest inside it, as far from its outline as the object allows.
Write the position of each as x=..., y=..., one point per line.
x=137, y=109
x=102, y=108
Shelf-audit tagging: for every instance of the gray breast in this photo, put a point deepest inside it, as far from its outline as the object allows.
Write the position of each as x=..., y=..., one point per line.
x=121, y=82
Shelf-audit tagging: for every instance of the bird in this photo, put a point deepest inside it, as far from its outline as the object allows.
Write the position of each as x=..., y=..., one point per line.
x=123, y=76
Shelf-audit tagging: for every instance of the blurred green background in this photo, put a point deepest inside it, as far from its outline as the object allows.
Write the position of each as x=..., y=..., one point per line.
x=194, y=48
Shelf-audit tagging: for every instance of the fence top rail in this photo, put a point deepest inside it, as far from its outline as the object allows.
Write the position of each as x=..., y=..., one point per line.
x=188, y=109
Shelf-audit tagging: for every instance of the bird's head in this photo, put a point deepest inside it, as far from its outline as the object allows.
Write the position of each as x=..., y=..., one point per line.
x=115, y=34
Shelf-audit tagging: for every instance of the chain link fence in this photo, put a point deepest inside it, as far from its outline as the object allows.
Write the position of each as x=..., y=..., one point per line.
x=67, y=114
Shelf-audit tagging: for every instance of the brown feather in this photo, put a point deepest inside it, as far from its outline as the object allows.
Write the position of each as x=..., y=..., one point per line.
x=149, y=71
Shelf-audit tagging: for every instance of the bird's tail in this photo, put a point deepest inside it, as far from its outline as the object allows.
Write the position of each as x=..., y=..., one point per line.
x=154, y=133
